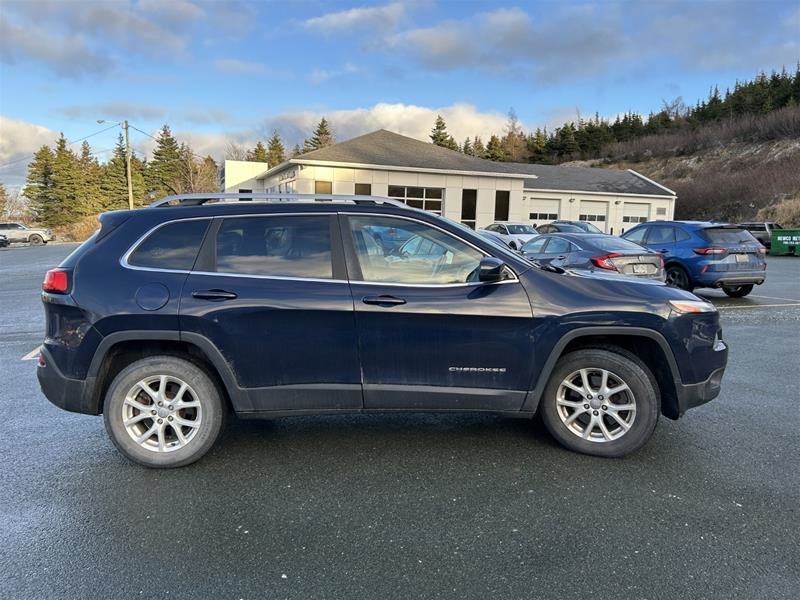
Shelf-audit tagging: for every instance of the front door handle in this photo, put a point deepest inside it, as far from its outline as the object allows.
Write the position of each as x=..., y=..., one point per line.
x=217, y=295
x=383, y=300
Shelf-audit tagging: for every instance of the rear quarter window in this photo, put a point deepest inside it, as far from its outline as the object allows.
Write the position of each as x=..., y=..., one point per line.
x=173, y=246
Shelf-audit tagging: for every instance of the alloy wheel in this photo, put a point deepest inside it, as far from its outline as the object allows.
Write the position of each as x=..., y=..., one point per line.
x=162, y=413
x=596, y=405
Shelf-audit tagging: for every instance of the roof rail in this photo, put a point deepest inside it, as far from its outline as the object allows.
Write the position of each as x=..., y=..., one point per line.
x=199, y=199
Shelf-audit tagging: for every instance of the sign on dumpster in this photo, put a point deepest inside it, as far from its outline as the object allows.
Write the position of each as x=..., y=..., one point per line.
x=785, y=241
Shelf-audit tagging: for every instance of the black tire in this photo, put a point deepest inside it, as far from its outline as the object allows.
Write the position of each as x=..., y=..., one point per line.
x=36, y=240
x=626, y=368
x=738, y=291
x=211, y=412
x=678, y=277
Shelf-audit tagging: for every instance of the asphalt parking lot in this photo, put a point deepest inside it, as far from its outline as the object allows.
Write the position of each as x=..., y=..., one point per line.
x=410, y=506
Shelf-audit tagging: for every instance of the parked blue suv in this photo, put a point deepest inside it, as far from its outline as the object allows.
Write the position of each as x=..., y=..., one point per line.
x=702, y=254
x=170, y=316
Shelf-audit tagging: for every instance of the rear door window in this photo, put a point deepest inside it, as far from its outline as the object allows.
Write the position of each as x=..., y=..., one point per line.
x=276, y=246
x=661, y=235
x=558, y=246
x=535, y=246
x=173, y=246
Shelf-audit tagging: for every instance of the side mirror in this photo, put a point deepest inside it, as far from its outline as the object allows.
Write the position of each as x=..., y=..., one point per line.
x=490, y=269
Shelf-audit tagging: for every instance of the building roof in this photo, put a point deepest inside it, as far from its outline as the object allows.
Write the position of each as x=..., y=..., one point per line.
x=386, y=148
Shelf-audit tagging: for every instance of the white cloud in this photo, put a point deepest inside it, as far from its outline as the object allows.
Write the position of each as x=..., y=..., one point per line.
x=319, y=76
x=174, y=11
x=463, y=120
x=18, y=141
x=374, y=17
x=235, y=66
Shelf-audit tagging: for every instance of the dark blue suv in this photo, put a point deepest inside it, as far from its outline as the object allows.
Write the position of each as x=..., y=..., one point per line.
x=170, y=316
x=702, y=254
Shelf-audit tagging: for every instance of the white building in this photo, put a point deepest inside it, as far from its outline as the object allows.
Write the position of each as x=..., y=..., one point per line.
x=472, y=190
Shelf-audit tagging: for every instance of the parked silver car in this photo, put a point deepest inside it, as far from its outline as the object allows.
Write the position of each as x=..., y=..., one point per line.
x=513, y=235
x=17, y=232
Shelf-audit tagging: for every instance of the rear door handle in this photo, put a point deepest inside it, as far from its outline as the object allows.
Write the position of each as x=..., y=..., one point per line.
x=217, y=295
x=383, y=300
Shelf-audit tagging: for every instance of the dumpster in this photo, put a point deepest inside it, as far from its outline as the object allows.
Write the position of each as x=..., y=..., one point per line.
x=785, y=241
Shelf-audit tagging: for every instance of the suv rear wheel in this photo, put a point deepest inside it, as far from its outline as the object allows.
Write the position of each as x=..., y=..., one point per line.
x=601, y=402
x=36, y=240
x=738, y=291
x=163, y=412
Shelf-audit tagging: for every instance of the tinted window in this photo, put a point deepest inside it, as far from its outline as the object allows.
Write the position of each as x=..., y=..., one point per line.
x=557, y=246
x=636, y=235
x=535, y=245
x=363, y=189
x=173, y=246
x=727, y=235
x=501, y=202
x=430, y=256
x=564, y=228
x=323, y=187
x=661, y=235
x=521, y=229
x=279, y=246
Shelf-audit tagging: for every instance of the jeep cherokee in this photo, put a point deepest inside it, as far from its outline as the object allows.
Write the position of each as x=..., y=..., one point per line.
x=276, y=305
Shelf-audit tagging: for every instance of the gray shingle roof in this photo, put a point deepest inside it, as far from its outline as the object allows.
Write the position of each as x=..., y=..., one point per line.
x=392, y=149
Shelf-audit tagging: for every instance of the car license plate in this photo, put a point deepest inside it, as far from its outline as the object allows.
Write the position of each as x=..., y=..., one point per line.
x=742, y=258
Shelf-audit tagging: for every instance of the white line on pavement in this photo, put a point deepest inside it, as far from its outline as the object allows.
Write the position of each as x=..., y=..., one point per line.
x=32, y=355
x=757, y=306
x=776, y=298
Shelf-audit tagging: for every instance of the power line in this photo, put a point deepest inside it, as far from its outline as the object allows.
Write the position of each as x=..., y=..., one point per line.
x=29, y=156
x=156, y=139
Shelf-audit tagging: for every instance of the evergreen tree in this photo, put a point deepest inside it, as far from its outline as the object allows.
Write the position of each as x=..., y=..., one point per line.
x=90, y=175
x=114, y=180
x=537, y=147
x=296, y=151
x=478, y=149
x=276, y=153
x=440, y=137
x=321, y=138
x=39, y=182
x=258, y=153
x=64, y=202
x=467, y=147
x=494, y=149
x=164, y=173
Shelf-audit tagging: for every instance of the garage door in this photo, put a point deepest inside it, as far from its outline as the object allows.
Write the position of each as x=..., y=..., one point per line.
x=595, y=213
x=633, y=213
x=542, y=210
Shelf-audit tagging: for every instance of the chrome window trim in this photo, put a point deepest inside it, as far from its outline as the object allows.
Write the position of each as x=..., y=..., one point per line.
x=124, y=262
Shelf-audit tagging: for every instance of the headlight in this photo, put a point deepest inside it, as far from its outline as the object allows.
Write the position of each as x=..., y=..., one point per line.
x=692, y=306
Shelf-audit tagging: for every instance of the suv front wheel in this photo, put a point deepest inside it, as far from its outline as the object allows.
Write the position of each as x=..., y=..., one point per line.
x=601, y=402
x=163, y=412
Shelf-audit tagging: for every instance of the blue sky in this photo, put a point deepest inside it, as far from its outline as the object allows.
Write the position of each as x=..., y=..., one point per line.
x=227, y=71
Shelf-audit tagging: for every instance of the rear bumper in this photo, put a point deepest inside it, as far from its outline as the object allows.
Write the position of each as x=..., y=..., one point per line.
x=712, y=279
x=695, y=394
x=74, y=395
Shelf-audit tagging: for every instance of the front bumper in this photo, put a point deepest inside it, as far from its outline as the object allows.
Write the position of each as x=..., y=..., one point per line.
x=74, y=395
x=695, y=394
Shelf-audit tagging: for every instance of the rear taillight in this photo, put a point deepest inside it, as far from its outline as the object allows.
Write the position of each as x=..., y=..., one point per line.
x=603, y=261
x=56, y=281
x=710, y=250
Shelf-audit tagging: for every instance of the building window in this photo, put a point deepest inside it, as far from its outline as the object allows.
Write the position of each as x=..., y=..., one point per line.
x=323, y=187
x=633, y=219
x=469, y=206
x=661, y=211
x=501, y=201
x=363, y=189
x=429, y=199
x=601, y=218
x=245, y=191
x=540, y=216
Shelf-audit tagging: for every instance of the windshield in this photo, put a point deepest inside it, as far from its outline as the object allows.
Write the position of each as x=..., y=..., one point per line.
x=727, y=235
x=586, y=226
x=521, y=229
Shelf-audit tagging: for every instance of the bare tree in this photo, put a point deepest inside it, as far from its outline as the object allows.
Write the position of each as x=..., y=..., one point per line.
x=235, y=151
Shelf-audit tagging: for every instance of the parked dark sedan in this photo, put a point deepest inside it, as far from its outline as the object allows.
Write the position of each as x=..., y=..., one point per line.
x=595, y=251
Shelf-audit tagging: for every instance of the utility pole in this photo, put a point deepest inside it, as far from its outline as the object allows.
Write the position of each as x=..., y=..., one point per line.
x=128, y=164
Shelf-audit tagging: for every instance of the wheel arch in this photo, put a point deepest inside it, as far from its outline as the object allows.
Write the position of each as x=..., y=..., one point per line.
x=647, y=344
x=118, y=350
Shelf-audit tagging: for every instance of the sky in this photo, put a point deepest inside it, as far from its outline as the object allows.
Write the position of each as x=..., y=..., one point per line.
x=229, y=71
